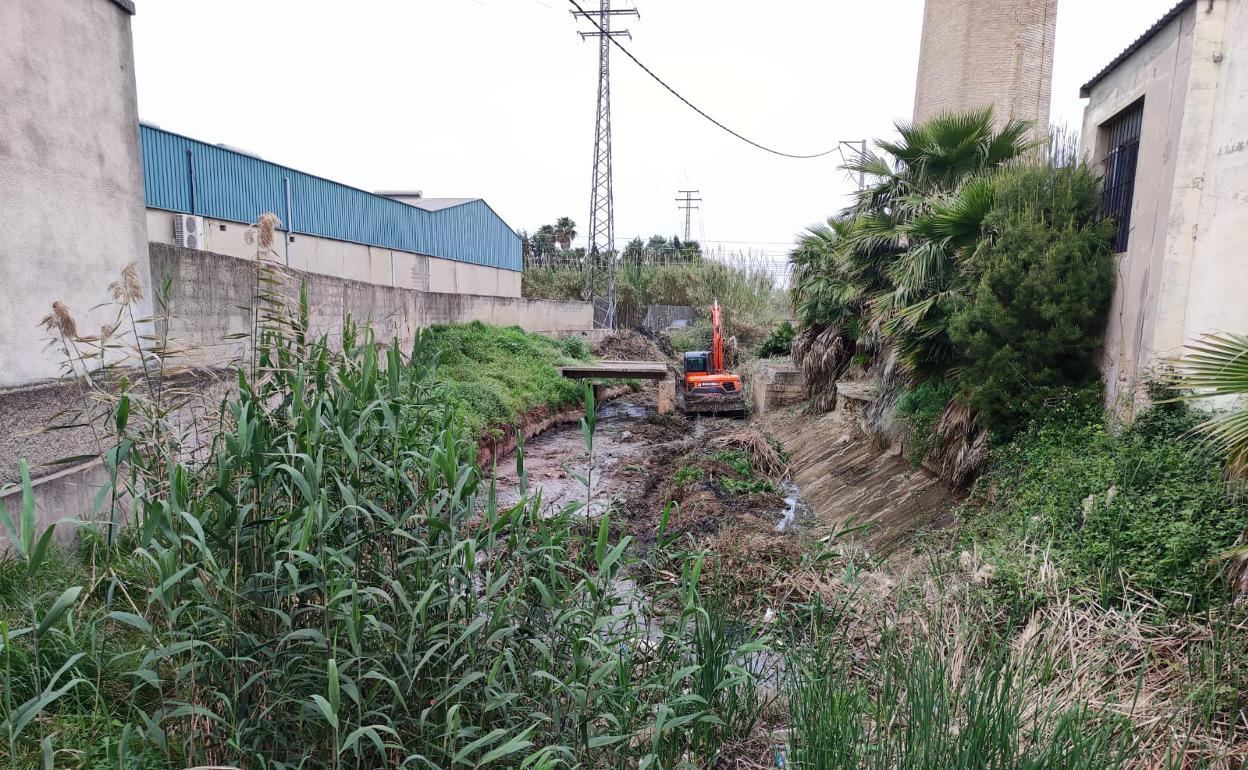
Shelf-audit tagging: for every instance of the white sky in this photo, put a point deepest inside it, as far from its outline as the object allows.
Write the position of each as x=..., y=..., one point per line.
x=495, y=98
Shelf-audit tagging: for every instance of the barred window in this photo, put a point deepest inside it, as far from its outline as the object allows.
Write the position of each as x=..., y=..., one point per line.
x=1120, y=164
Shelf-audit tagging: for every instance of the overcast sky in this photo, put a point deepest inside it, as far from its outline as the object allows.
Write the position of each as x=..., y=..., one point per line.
x=495, y=98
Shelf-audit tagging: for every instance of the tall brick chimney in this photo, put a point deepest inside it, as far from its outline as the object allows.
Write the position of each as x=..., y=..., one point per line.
x=980, y=52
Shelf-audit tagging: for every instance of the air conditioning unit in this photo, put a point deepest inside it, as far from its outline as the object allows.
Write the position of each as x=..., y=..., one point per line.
x=188, y=231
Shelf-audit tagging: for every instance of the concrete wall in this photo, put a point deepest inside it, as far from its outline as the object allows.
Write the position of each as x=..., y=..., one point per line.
x=211, y=294
x=352, y=261
x=980, y=52
x=1185, y=271
x=71, y=183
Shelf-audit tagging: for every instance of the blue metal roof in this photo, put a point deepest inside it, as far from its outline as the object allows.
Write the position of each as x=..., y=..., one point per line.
x=185, y=175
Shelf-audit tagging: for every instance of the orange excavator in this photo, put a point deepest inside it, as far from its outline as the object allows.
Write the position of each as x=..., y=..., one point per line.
x=707, y=386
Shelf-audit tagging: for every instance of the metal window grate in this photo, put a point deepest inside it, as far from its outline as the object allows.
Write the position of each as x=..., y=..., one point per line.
x=1120, y=165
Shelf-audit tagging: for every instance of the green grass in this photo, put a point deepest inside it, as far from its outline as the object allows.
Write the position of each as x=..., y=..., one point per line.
x=919, y=409
x=494, y=376
x=688, y=474
x=1145, y=506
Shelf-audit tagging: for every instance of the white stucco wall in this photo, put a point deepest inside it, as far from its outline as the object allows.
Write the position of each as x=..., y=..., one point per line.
x=1185, y=272
x=71, y=183
x=353, y=261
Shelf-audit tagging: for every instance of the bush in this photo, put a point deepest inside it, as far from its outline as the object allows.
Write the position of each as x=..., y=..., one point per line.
x=918, y=409
x=778, y=342
x=1032, y=320
x=1148, y=508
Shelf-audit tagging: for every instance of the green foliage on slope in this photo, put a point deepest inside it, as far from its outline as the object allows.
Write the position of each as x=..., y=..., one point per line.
x=1146, y=508
x=494, y=376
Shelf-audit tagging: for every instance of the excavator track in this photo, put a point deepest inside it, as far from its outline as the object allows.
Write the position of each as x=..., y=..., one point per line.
x=731, y=406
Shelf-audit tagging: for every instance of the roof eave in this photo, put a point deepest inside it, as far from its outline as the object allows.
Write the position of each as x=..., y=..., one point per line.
x=1086, y=89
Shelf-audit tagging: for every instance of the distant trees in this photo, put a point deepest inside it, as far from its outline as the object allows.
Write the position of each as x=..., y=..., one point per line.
x=547, y=242
x=661, y=250
x=550, y=246
x=564, y=231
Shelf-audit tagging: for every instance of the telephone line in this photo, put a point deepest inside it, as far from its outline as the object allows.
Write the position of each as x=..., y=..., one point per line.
x=581, y=12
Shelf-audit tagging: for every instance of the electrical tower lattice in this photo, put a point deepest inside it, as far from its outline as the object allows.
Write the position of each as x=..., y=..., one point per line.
x=601, y=232
x=686, y=205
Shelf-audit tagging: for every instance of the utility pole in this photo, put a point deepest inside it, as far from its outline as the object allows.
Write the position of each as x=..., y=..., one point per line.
x=601, y=202
x=860, y=149
x=686, y=204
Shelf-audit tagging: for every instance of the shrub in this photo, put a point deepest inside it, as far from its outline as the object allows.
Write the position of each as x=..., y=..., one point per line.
x=1032, y=319
x=778, y=342
x=918, y=409
x=1147, y=507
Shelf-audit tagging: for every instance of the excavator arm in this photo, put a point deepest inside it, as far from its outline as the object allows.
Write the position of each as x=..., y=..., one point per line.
x=717, y=339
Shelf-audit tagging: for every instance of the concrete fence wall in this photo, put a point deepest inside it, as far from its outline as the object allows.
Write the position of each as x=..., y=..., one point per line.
x=211, y=295
x=351, y=261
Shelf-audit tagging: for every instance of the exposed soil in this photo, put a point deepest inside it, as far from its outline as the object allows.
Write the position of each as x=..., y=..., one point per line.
x=760, y=526
x=627, y=429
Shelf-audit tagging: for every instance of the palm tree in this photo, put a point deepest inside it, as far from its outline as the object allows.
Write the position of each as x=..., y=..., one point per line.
x=931, y=191
x=1217, y=367
x=884, y=276
x=565, y=232
x=542, y=244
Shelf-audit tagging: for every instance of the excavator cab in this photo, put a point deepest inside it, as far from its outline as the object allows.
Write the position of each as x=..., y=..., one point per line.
x=697, y=362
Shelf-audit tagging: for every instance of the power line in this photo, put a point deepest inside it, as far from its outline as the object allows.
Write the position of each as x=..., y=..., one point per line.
x=606, y=36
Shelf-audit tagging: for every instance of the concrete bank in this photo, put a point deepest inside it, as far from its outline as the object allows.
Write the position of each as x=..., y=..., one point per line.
x=847, y=479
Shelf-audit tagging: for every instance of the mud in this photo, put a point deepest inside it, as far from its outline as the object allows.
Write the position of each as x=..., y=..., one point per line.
x=557, y=461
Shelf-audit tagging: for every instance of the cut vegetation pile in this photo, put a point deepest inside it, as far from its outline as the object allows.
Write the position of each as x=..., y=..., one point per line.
x=627, y=345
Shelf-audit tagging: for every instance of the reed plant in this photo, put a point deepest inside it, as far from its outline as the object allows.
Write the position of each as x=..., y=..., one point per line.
x=332, y=584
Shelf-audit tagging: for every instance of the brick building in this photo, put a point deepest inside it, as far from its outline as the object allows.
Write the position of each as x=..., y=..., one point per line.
x=980, y=52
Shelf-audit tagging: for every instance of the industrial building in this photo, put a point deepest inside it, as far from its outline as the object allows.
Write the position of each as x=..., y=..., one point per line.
x=1167, y=123
x=205, y=196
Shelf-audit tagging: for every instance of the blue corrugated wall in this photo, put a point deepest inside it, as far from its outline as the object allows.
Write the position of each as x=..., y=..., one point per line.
x=182, y=174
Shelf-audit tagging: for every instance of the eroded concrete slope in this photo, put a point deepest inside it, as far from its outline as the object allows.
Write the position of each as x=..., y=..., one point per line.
x=848, y=481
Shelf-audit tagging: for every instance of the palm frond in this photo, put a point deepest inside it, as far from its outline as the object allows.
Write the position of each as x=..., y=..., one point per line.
x=1216, y=366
